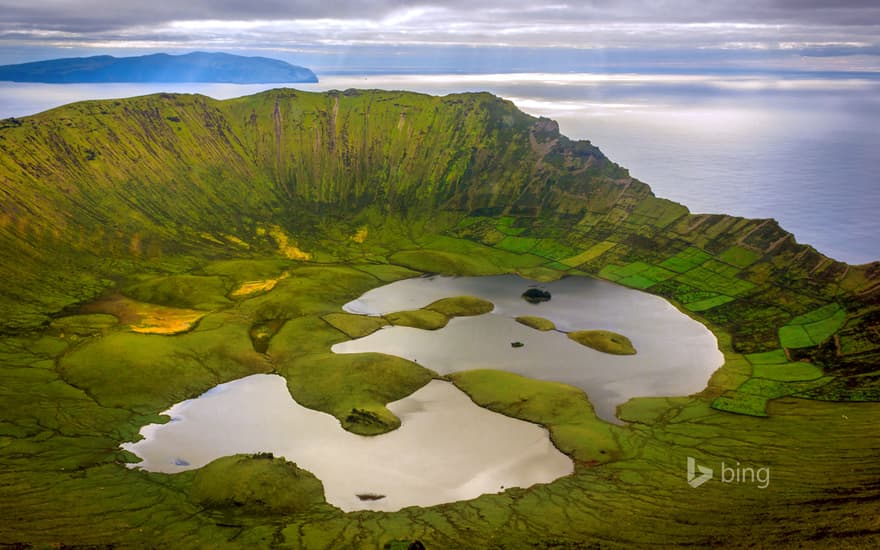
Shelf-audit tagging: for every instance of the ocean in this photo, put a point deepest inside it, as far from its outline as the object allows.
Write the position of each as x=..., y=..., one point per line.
x=801, y=149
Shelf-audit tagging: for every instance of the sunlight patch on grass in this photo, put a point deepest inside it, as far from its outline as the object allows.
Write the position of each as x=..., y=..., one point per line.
x=288, y=249
x=147, y=318
x=253, y=287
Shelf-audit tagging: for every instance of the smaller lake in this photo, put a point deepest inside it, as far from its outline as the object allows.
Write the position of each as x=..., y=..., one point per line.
x=447, y=448
x=676, y=354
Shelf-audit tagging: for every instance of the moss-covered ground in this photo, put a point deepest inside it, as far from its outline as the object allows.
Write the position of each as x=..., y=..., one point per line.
x=605, y=341
x=437, y=314
x=461, y=306
x=564, y=410
x=119, y=211
x=88, y=383
x=418, y=318
x=255, y=484
x=537, y=323
x=354, y=387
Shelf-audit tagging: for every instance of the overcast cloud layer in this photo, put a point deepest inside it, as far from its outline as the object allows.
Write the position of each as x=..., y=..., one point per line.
x=819, y=35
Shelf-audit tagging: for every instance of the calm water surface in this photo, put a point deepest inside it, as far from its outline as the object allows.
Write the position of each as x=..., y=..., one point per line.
x=447, y=448
x=676, y=355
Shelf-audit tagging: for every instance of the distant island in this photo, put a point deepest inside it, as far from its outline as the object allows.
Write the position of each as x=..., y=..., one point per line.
x=160, y=67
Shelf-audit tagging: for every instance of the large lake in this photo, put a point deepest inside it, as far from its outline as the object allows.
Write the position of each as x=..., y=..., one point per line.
x=446, y=449
x=801, y=150
x=676, y=355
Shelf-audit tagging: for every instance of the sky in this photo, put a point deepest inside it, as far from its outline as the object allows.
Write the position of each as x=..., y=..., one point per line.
x=462, y=35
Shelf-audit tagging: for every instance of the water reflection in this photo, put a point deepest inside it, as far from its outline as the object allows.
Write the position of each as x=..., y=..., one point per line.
x=447, y=448
x=676, y=355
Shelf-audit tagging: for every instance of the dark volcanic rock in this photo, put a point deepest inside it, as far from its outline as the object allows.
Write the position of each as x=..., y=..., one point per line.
x=536, y=295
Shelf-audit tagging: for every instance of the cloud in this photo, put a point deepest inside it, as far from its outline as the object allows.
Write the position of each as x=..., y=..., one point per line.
x=104, y=15
x=823, y=29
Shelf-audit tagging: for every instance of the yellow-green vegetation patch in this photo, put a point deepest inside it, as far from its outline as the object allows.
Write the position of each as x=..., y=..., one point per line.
x=813, y=328
x=735, y=371
x=552, y=249
x=559, y=266
x=650, y=410
x=261, y=333
x=181, y=291
x=787, y=372
x=686, y=260
x=287, y=245
x=716, y=277
x=83, y=325
x=309, y=334
x=537, y=323
x=657, y=212
x=469, y=221
x=148, y=373
x=354, y=326
x=146, y=318
x=387, y=273
x=795, y=336
x=739, y=256
x=605, y=341
x=517, y=244
x=451, y=256
x=461, y=306
x=588, y=255
x=708, y=303
x=721, y=268
x=256, y=484
x=772, y=389
x=167, y=322
x=501, y=258
x=752, y=396
x=858, y=335
x=418, y=318
x=248, y=270
x=249, y=288
x=446, y=263
x=564, y=410
x=505, y=224
x=236, y=241
x=775, y=365
x=741, y=403
x=308, y=290
x=354, y=387
x=636, y=275
x=542, y=273
x=772, y=357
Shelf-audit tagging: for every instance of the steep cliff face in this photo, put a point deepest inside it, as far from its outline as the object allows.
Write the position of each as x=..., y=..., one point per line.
x=150, y=175
x=185, y=159
x=97, y=190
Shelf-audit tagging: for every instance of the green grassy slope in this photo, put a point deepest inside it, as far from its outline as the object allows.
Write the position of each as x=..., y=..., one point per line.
x=94, y=186
x=313, y=199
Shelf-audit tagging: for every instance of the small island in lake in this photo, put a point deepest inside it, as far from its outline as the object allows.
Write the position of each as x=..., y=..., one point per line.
x=537, y=323
x=536, y=295
x=604, y=341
